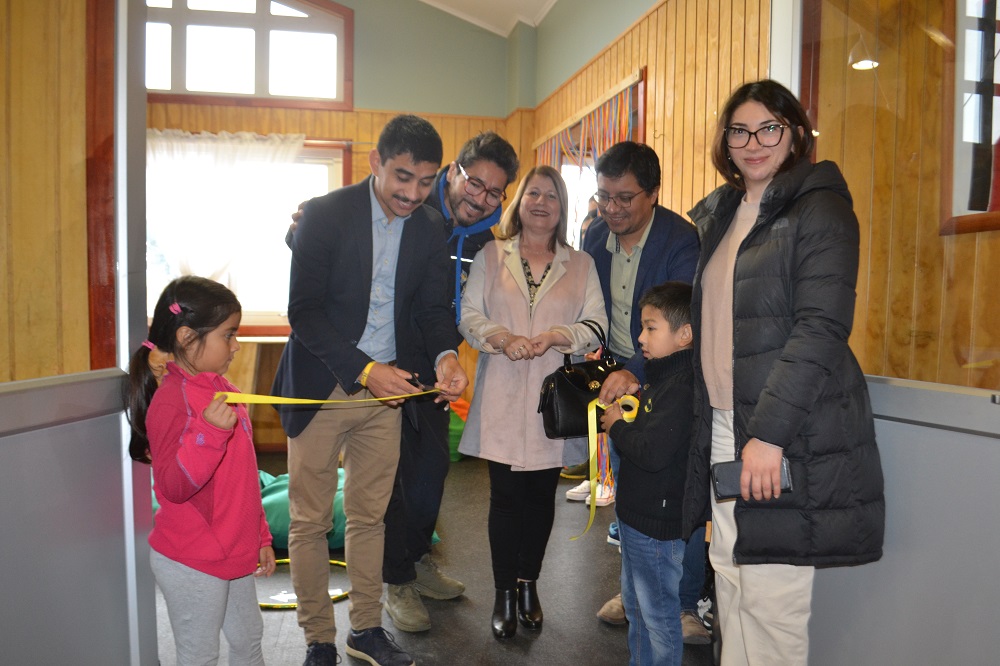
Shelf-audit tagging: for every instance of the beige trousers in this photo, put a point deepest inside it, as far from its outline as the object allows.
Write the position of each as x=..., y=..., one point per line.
x=763, y=608
x=368, y=436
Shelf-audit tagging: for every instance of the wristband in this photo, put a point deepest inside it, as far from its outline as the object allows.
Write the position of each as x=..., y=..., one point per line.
x=363, y=379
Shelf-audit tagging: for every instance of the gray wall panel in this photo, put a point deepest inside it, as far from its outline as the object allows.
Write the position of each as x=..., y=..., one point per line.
x=64, y=578
x=929, y=600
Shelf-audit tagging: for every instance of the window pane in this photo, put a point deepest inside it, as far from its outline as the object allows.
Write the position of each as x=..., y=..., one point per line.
x=580, y=185
x=970, y=119
x=278, y=9
x=303, y=64
x=973, y=54
x=240, y=6
x=158, y=56
x=220, y=59
x=229, y=225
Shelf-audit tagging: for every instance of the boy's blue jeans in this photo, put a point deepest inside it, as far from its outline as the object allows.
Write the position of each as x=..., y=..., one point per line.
x=651, y=575
x=693, y=579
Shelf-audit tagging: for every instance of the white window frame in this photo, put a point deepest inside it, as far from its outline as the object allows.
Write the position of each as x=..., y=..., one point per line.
x=324, y=17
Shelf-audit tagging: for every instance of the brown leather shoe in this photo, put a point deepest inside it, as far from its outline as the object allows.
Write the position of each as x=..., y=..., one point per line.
x=613, y=612
x=693, y=629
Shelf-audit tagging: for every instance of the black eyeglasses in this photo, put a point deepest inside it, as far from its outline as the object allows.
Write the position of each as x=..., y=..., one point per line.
x=474, y=187
x=623, y=200
x=768, y=136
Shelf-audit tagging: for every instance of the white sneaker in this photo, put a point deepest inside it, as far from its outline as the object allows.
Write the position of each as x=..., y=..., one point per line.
x=580, y=492
x=604, y=496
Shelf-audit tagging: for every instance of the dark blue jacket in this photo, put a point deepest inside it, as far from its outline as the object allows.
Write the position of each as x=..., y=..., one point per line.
x=670, y=253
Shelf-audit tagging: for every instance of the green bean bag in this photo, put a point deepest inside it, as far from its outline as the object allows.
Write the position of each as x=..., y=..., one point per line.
x=274, y=495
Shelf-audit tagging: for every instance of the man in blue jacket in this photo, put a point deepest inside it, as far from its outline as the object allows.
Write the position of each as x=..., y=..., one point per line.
x=637, y=244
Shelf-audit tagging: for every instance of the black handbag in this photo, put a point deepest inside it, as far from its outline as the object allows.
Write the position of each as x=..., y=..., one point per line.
x=567, y=392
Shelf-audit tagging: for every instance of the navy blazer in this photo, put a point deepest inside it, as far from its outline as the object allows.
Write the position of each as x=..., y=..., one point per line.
x=670, y=253
x=328, y=298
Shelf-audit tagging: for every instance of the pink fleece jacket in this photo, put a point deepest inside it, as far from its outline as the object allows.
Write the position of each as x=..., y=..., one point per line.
x=210, y=517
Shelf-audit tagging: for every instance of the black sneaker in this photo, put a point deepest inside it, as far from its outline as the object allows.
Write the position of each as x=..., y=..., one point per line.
x=377, y=647
x=321, y=654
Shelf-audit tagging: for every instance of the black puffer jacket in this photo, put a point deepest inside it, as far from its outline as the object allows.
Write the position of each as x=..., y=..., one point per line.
x=796, y=381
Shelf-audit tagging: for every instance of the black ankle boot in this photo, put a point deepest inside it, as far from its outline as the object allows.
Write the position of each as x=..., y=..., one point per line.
x=504, y=620
x=529, y=608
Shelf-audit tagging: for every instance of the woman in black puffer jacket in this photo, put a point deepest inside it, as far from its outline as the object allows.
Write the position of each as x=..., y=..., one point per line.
x=772, y=311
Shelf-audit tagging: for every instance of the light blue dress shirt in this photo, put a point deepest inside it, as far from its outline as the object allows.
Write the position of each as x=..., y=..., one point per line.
x=379, y=338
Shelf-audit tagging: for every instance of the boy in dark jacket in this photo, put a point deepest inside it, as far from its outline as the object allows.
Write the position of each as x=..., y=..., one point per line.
x=654, y=452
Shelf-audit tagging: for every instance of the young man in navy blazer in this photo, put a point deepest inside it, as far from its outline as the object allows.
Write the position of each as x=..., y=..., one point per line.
x=370, y=314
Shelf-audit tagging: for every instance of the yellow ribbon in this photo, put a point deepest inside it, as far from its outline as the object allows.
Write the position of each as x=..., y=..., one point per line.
x=254, y=399
x=287, y=606
x=630, y=407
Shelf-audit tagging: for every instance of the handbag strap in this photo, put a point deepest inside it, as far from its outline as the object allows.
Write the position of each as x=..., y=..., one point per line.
x=598, y=331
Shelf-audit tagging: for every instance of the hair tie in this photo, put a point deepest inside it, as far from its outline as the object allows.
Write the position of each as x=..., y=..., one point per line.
x=175, y=308
x=148, y=345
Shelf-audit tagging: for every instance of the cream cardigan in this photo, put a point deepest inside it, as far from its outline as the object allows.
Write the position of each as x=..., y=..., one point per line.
x=503, y=424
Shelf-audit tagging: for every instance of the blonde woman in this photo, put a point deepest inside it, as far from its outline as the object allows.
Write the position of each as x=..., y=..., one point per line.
x=526, y=294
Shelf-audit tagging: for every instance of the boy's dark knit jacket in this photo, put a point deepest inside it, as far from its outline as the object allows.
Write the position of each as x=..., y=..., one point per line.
x=654, y=449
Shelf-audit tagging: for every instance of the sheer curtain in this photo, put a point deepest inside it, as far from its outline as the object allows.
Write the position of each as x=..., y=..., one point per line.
x=217, y=205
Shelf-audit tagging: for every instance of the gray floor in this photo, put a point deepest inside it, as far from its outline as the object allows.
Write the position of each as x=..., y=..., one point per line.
x=577, y=578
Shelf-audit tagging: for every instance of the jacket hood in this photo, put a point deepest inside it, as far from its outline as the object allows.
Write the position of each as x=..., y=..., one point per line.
x=786, y=187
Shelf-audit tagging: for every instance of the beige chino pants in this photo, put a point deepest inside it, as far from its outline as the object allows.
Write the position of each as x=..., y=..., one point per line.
x=368, y=436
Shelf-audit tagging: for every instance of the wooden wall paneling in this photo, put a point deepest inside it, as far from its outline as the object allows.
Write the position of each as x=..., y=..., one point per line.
x=957, y=341
x=462, y=132
x=704, y=64
x=986, y=314
x=764, y=39
x=641, y=59
x=357, y=152
x=659, y=45
x=70, y=250
x=6, y=190
x=687, y=128
x=34, y=205
x=362, y=141
x=100, y=185
x=612, y=69
x=738, y=52
x=711, y=91
x=675, y=83
x=831, y=123
x=929, y=248
x=858, y=110
x=882, y=221
x=902, y=289
x=751, y=45
x=725, y=69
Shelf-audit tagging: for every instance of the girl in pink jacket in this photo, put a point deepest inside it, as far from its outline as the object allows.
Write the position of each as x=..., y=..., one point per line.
x=210, y=537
